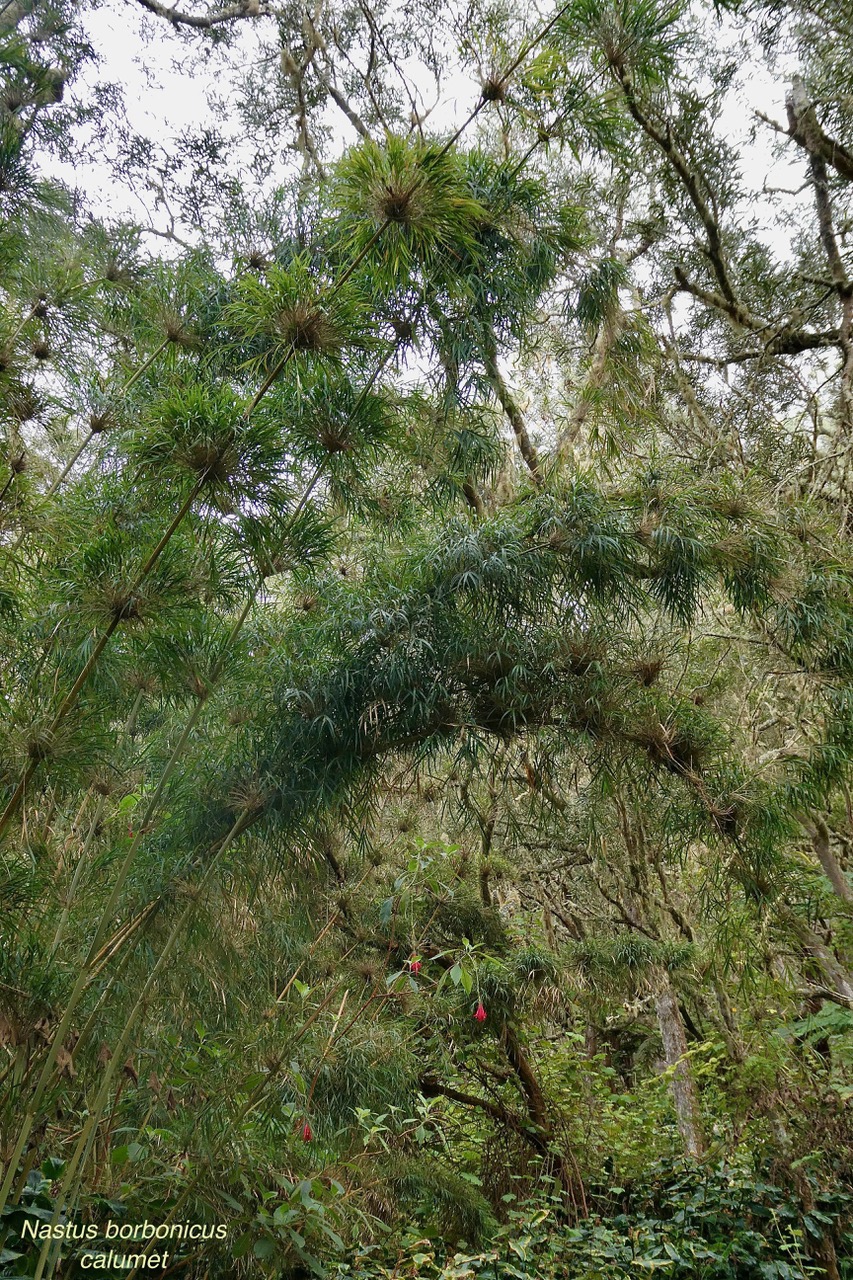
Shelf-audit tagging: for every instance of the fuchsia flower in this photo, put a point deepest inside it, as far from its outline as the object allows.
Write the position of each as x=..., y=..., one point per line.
x=415, y=965
x=480, y=1012
x=307, y=1132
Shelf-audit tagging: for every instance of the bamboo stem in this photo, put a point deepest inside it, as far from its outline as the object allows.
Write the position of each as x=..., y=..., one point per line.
x=85, y=972
x=93, y=1120
x=70, y=699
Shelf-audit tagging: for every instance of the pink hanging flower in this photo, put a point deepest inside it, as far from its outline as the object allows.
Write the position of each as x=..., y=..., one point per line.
x=415, y=965
x=480, y=1012
x=307, y=1132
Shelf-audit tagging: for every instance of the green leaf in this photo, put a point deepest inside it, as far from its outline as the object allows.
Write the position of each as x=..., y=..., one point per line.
x=242, y=1245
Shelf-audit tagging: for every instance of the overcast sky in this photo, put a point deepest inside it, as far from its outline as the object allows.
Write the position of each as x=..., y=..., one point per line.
x=163, y=99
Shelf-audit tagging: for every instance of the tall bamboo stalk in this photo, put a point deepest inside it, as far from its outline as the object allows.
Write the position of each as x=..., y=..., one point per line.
x=111, y=904
x=70, y=700
x=93, y=1120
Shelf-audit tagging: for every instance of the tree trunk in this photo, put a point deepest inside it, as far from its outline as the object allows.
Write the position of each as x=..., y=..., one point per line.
x=819, y=833
x=507, y=401
x=536, y=1104
x=595, y=378
x=681, y=1082
x=835, y=972
x=728, y=1025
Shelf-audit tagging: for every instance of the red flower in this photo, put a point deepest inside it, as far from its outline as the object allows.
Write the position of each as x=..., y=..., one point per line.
x=480, y=1012
x=307, y=1132
x=415, y=965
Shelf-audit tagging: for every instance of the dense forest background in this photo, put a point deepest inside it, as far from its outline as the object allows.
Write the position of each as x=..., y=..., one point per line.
x=426, y=634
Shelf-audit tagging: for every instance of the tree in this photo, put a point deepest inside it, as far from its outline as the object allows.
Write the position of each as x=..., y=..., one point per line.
x=427, y=621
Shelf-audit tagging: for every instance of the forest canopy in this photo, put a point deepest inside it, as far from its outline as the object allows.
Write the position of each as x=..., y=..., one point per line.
x=426, y=641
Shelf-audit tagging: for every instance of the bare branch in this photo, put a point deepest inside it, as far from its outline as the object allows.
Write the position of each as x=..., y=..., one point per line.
x=805, y=129
x=204, y=22
x=662, y=136
x=784, y=341
x=340, y=101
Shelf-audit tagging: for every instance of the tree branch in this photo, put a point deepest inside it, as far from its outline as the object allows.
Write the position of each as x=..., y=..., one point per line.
x=786, y=341
x=204, y=22
x=805, y=129
x=663, y=138
x=509, y=405
x=432, y=1088
x=340, y=101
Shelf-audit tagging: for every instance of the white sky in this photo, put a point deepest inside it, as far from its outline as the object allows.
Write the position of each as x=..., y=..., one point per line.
x=162, y=99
